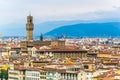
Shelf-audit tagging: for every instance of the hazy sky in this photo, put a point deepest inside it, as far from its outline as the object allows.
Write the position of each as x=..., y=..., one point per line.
x=15, y=11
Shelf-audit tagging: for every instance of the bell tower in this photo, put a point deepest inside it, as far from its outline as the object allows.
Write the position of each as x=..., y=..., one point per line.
x=29, y=27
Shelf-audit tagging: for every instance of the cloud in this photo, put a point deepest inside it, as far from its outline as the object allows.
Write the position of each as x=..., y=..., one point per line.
x=48, y=10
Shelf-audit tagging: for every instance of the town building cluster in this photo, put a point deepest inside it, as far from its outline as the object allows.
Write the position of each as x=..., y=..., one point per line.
x=61, y=59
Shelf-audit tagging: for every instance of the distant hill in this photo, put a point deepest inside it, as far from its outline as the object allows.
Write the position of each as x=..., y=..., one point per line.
x=88, y=30
x=69, y=28
x=19, y=29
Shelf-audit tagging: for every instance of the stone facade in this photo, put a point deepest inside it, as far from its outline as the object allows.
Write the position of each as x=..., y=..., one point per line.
x=29, y=27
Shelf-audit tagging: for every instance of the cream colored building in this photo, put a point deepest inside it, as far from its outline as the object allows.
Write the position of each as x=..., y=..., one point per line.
x=32, y=75
x=16, y=74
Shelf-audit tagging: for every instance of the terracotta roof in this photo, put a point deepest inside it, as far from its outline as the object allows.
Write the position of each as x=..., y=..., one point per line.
x=62, y=50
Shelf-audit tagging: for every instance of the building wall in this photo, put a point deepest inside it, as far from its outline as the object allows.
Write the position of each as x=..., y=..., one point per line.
x=70, y=54
x=63, y=54
x=30, y=35
x=16, y=75
x=52, y=75
x=32, y=75
x=43, y=75
x=58, y=43
x=23, y=45
x=69, y=76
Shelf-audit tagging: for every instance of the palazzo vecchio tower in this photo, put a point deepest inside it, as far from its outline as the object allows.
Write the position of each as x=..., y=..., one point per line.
x=29, y=27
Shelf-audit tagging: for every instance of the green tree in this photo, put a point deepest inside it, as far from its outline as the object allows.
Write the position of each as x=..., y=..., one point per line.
x=4, y=74
x=41, y=37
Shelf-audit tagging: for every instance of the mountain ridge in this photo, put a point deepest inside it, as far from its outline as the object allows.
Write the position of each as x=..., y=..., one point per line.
x=88, y=30
x=45, y=28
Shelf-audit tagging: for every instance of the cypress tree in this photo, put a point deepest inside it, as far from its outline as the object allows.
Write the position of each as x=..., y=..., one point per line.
x=41, y=37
